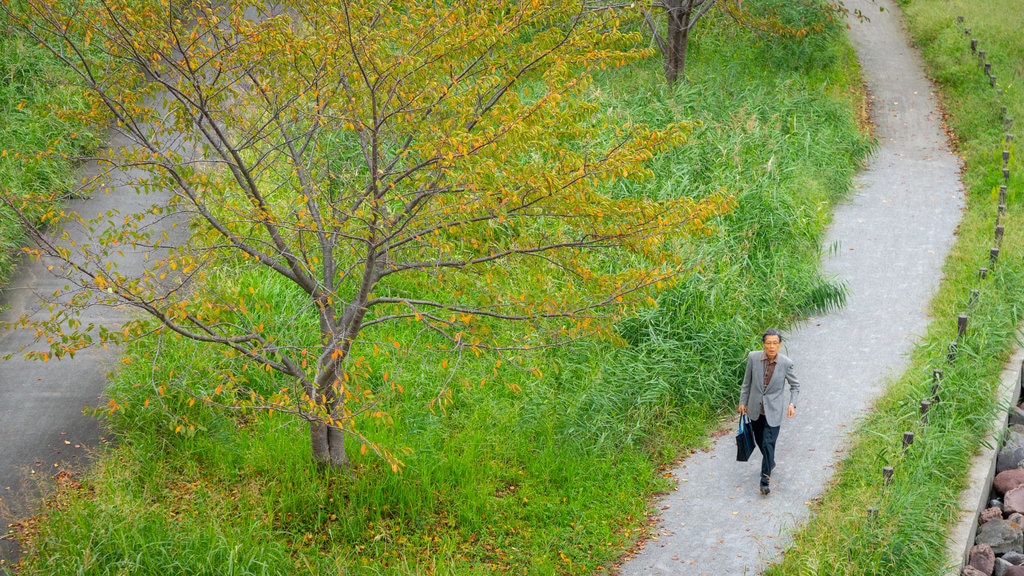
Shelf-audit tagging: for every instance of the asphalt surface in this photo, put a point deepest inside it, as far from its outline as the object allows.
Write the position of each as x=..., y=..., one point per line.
x=44, y=430
x=891, y=239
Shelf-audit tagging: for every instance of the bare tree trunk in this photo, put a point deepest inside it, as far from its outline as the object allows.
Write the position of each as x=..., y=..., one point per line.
x=679, y=14
x=328, y=446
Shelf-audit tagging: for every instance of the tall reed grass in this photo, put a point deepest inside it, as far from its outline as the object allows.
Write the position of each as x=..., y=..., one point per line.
x=39, y=134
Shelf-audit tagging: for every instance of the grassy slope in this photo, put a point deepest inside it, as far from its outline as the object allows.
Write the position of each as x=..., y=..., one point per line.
x=38, y=131
x=908, y=536
x=522, y=475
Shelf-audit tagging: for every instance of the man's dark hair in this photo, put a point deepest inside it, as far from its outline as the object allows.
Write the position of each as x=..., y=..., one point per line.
x=770, y=332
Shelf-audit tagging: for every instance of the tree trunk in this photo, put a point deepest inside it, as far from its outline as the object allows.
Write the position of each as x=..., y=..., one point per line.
x=328, y=446
x=679, y=13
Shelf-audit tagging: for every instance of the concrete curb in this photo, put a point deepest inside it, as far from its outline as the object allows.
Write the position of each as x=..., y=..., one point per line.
x=975, y=497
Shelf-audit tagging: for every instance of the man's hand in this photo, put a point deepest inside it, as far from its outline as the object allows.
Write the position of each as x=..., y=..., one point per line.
x=742, y=409
x=791, y=411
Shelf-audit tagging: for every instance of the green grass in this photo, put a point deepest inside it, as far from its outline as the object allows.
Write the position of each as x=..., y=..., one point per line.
x=917, y=510
x=39, y=132
x=525, y=475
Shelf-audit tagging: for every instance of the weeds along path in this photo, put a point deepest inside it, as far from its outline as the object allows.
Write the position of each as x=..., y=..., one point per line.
x=888, y=243
x=43, y=430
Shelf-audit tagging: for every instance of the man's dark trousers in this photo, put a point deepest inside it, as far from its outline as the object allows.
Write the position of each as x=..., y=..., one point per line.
x=765, y=437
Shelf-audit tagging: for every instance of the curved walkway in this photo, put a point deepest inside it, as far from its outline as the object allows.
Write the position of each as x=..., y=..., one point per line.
x=891, y=239
x=43, y=430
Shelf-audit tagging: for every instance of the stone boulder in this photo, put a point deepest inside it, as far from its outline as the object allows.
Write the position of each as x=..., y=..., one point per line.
x=989, y=514
x=972, y=571
x=1008, y=480
x=1015, y=558
x=1002, y=535
x=1014, y=571
x=1013, y=501
x=1012, y=452
x=1016, y=416
x=1000, y=568
x=1009, y=457
x=983, y=558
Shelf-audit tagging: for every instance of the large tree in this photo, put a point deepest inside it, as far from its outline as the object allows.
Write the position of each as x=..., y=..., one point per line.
x=779, y=18
x=419, y=161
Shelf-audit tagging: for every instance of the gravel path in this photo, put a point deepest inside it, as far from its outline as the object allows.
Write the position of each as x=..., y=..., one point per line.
x=891, y=239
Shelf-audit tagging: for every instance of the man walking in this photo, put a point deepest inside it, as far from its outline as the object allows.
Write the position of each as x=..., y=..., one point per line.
x=763, y=386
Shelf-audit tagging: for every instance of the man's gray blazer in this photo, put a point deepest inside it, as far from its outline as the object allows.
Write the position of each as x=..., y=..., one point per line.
x=774, y=399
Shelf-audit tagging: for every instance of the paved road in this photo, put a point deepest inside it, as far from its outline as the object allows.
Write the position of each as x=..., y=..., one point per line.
x=892, y=239
x=43, y=430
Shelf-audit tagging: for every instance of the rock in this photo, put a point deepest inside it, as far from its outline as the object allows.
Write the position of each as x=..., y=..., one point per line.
x=1017, y=518
x=1016, y=416
x=1008, y=480
x=1002, y=535
x=1009, y=458
x=983, y=558
x=1012, y=451
x=1000, y=567
x=1018, y=428
x=1013, y=501
x=1015, y=558
x=996, y=503
x=972, y=571
x=990, y=514
x=1014, y=571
